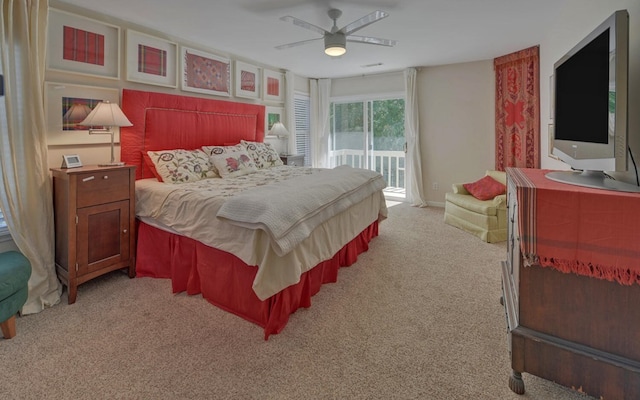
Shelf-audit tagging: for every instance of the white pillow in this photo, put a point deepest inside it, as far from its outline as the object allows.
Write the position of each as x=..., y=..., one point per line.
x=263, y=154
x=233, y=163
x=182, y=166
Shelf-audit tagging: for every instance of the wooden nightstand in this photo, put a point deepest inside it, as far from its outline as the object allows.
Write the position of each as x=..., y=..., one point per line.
x=94, y=222
x=293, y=159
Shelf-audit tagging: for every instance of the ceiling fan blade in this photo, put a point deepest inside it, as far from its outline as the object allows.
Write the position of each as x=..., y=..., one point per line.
x=364, y=21
x=371, y=40
x=294, y=44
x=303, y=24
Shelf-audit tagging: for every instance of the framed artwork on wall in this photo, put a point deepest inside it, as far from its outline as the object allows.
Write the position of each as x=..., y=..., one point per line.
x=272, y=115
x=67, y=105
x=247, y=80
x=82, y=45
x=204, y=72
x=272, y=86
x=151, y=60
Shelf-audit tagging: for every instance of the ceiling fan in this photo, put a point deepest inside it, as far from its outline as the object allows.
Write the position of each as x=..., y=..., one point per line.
x=335, y=40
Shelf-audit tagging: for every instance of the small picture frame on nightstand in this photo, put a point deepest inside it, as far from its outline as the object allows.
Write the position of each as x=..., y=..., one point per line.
x=71, y=161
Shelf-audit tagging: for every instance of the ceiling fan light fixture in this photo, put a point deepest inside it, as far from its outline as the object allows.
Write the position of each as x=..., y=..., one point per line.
x=335, y=51
x=335, y=40
x=335, y=44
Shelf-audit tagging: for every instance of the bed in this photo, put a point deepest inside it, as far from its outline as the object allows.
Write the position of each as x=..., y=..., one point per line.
x=248, y=272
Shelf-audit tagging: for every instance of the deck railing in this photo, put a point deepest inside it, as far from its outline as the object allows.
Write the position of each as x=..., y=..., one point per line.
x=391, y=164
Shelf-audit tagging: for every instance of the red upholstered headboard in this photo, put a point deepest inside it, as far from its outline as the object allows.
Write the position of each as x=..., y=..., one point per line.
x=165, y=121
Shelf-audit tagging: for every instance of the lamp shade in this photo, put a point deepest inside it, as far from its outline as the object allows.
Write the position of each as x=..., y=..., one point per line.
x=106, y=114
x=279, y=130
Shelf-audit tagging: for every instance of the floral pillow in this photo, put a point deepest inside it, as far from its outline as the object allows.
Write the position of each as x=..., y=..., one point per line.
x=181, y=166
x=233, y=163
x=213, y=150
x=263, y=154
x=486, y=188
x=216, y=150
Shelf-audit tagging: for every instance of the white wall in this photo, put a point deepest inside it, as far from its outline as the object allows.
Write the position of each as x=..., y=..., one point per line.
x=301, y=84
x=392, y=82
x=457, y=125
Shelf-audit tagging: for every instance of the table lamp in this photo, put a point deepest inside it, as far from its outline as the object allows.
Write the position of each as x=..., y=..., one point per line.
x=278, y=130
x=107, y=115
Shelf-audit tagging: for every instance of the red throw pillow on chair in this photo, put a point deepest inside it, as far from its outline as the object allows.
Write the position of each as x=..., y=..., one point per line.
x=485, y=189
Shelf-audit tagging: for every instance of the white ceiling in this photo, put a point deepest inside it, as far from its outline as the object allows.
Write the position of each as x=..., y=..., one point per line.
x=429, y=32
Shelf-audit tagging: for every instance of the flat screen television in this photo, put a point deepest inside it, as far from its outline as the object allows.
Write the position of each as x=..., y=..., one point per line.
x=590, y=107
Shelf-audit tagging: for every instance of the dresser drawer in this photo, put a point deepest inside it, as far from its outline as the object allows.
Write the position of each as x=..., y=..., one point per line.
x=99, y=187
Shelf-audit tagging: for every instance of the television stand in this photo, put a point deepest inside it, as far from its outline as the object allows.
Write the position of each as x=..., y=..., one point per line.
x=592, y=179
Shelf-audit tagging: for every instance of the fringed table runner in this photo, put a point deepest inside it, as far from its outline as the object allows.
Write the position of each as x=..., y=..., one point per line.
x=586, y=231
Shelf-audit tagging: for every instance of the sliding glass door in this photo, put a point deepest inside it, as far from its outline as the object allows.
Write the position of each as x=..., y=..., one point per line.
x=349, y=134
x=370, y=134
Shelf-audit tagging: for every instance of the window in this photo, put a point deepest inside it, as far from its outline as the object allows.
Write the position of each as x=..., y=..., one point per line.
x=301, y=107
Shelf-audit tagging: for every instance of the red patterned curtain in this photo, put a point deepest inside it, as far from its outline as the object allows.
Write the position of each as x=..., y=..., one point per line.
x=518, y=109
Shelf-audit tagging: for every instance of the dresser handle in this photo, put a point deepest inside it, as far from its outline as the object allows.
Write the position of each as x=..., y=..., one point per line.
x=124, y=231
x=105, y=177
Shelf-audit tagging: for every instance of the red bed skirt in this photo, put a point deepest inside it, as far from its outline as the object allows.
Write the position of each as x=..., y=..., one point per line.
x=225, y=281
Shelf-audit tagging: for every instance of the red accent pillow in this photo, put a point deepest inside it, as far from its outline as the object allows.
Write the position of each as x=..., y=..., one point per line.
x=486, y=188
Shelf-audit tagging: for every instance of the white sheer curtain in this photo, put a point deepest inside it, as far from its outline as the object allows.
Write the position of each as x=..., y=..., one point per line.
x=25, y=186
x=320, y=99
x=289, y=110
x=415, y=187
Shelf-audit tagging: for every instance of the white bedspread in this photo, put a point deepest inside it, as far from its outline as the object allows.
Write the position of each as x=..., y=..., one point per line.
x=191, y=209
x=291, y=209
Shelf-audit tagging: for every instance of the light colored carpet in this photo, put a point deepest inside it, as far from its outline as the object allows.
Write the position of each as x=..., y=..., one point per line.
x=417, y=317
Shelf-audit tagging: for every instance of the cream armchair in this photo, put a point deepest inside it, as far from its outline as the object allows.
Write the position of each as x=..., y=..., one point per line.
x=486, y=219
